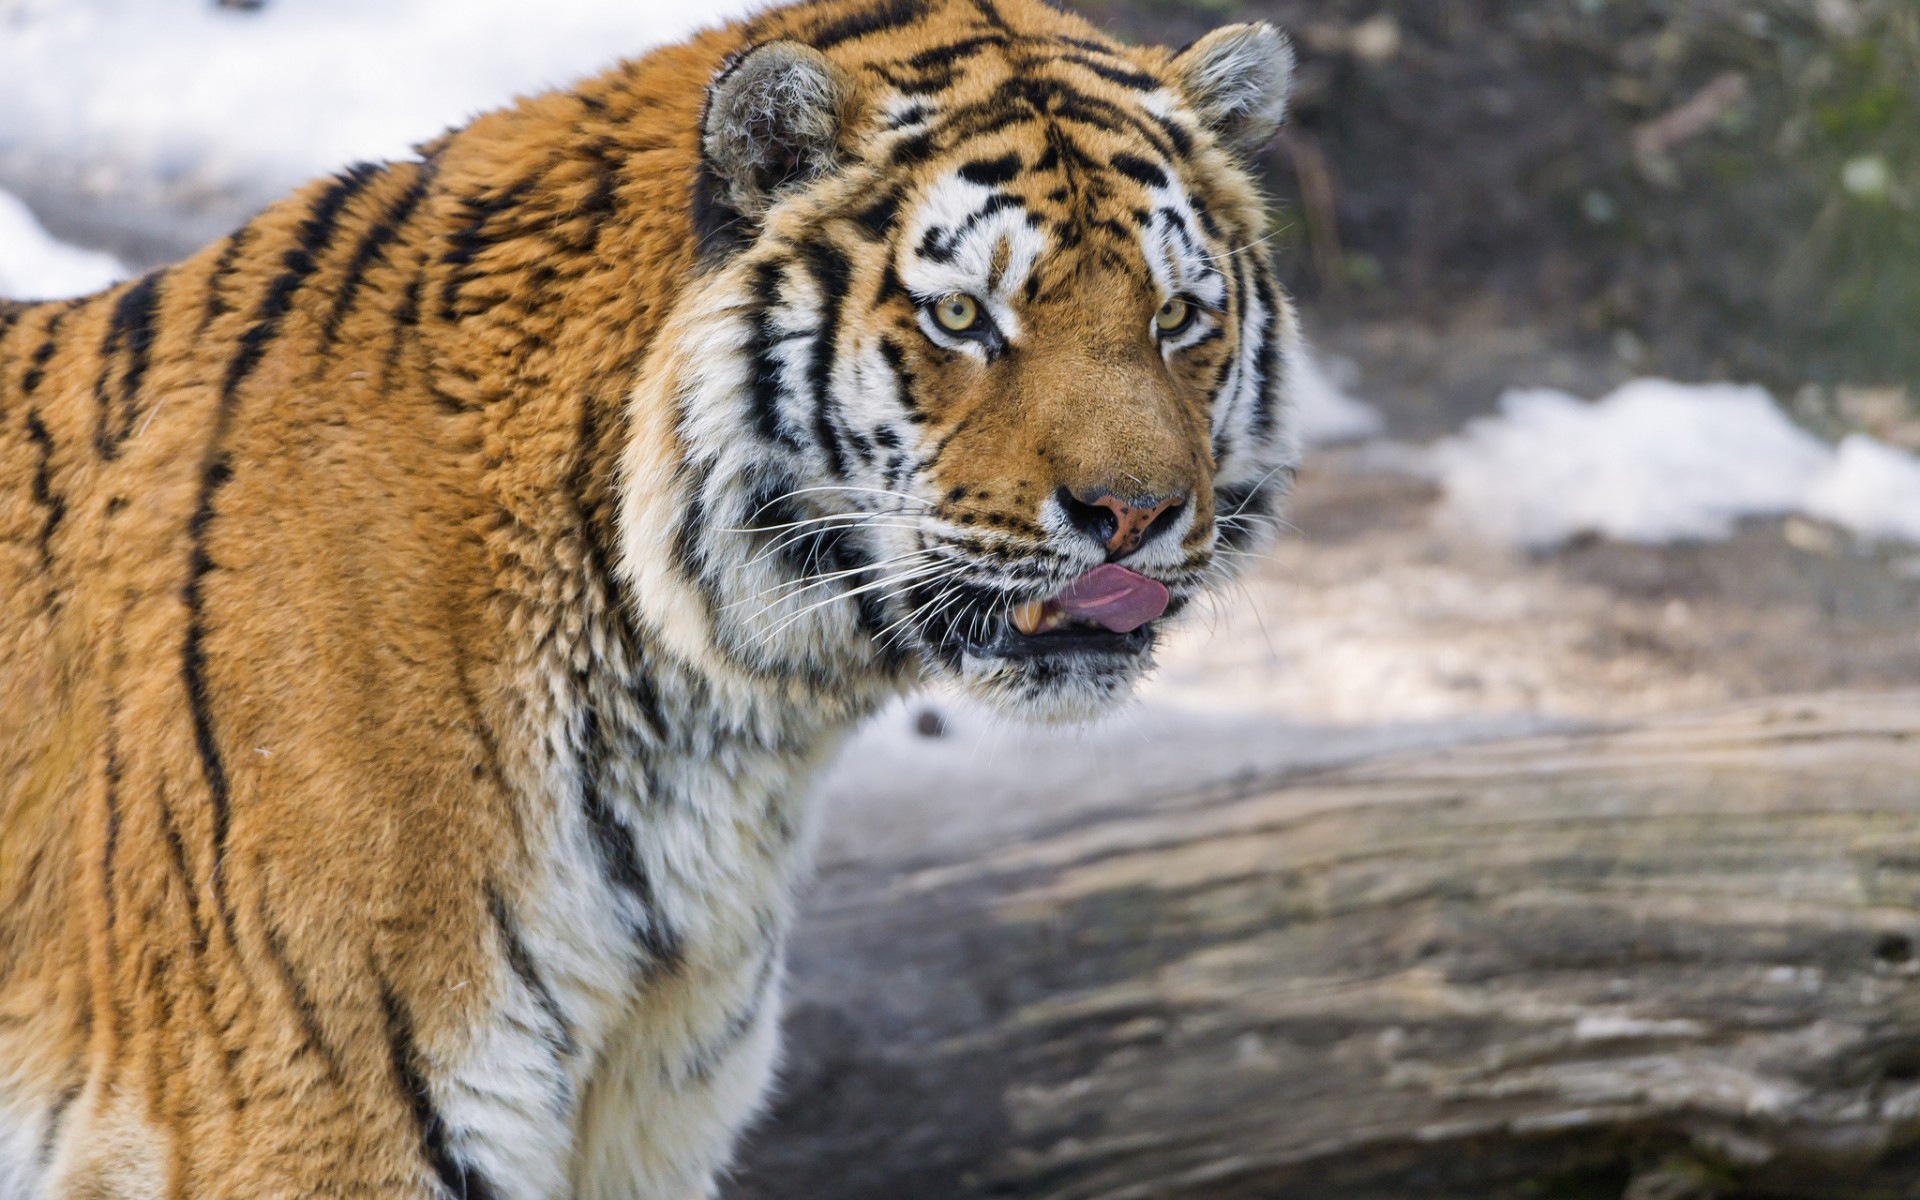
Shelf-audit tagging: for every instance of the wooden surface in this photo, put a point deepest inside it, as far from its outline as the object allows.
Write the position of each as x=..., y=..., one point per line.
x=1680, y=959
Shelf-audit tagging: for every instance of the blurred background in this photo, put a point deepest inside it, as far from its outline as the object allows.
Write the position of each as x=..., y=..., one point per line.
x=1613, y=415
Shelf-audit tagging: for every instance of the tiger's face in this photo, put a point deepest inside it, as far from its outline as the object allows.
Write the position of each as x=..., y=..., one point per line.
x=1007, y=339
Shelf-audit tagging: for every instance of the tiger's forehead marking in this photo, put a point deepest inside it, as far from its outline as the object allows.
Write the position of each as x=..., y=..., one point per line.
x=1171, y=243
x=969, y=234
x=1046, y=160
x=997, y=225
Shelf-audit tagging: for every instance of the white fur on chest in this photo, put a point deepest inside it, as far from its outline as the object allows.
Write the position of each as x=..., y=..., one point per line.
x=685, y=1063
x=630, y=1078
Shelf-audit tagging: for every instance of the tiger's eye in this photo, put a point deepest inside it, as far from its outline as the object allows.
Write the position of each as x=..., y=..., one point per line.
x=957, y=313
x=1173, y=316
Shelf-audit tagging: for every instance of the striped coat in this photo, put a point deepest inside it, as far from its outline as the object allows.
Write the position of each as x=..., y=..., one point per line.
x=422, y=610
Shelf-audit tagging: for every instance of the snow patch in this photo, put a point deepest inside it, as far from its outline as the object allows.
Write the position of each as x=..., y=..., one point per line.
x=256, y=102
x=1872, y=489
x=1658, y=461
x=34, y=265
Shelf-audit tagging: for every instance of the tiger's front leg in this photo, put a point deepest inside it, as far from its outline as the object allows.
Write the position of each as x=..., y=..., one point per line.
x=662, y=1116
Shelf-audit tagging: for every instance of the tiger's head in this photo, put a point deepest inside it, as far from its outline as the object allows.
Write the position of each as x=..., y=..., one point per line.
x=986, y=375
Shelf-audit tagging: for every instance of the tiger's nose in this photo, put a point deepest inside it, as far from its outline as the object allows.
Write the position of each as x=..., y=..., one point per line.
x=1122, y=525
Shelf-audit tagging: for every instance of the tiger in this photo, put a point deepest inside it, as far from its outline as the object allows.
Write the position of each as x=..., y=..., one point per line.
x=426, y=607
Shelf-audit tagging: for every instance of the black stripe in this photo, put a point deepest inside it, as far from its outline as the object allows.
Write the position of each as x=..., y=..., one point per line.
x=56, y=1118
x=718, y=228
x=912, y=114
x=833, y=274
x=193, y=671
x=405, y=319
x=591, y=506
x=897, y=363
x=1267, y=397
x=689, y=551
x=710, y=1055
x=1087, y=44
x=111, y=841
x=1139, y=170
x=925, y=84
x=992, y=172
x=1187, y=243
x=943, y=57
x=613, y=845
x=877, y=218
x=1177, y=136
x=371, y=249
x=831, y=549
x=177, y=855
x=461, y=1181
x=520, y=959
x=1205, y=213
x=991, y=15
x=304, y=1009
x=467, y=240
x=37, y=365
x=483, y=732
x=1237, y=275
x=10, y=313
x=43, y=493
x=197, y=944
x=939, y=244
x=764, y=387
x=1137, y=80
x=129, y=328
x=772, y=516
x=987, y=119
x=911, y=151
x=216, y=303
x=1026, y=97
x=1241, y=501
x=875, y=18
x=297, y=264
x=310, y=238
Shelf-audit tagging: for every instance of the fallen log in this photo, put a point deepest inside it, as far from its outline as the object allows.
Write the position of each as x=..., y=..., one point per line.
x=1670, y=961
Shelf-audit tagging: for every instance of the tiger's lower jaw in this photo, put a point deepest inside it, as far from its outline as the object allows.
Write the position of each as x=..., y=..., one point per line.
x=1064, y=676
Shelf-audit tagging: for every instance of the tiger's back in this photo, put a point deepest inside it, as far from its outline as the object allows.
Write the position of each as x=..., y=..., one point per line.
x=421, y=611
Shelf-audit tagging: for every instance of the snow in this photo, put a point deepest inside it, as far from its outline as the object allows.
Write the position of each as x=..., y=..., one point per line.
x=1658, y=461
x=1323, y=411
x=1873, y=489
x=34, y=265
x=259, y=101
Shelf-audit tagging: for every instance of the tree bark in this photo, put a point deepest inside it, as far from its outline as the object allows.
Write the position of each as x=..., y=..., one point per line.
x=1666, y=961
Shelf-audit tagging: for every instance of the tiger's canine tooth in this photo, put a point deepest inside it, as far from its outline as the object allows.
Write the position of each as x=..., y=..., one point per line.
x=1026, y=617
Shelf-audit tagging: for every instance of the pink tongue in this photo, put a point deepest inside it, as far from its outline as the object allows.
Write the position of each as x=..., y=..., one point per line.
x=1114, y=596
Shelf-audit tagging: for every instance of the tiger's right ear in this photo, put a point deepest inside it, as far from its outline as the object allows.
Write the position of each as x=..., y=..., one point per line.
x=1238, y=79
x=773, y=119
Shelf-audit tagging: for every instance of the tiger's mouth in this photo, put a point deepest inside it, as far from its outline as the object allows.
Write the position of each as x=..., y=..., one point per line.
x=1109, y=610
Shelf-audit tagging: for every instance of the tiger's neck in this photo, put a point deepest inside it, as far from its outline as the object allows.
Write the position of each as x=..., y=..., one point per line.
x=599, y=360
x=659, y=738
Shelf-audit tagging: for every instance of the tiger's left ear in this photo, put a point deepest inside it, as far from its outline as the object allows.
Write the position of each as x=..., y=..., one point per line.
x=1237, y=79
x=773, y=119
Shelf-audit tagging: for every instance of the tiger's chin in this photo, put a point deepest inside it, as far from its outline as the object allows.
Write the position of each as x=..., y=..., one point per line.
x=1057, y=678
